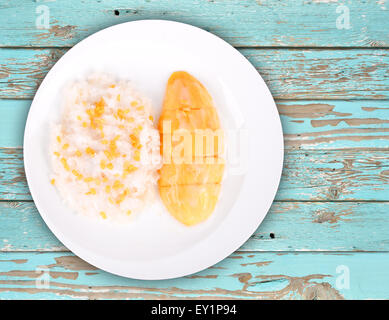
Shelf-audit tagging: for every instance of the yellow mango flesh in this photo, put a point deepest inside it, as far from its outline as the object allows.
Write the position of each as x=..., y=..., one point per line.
x=191, y=119
x=190, y=204
x=185, y=91
x=189, y=188
x=188, y=118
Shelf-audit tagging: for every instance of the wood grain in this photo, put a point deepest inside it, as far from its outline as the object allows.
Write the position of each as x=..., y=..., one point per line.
x=242, y=275
x=240, y=22
x=329, y=124
x=290, y=74
x=289, y=226
x=349, y=174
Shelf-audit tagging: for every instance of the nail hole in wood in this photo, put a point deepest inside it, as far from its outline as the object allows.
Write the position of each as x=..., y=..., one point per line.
x=116, y=12
x=272, y=235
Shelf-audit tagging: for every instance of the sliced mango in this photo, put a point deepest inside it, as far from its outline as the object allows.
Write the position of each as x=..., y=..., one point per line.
x=185, y=91
x=190, y=204
x=185, y=146
x=191, y=119
x=188, y=174
x=189, y=182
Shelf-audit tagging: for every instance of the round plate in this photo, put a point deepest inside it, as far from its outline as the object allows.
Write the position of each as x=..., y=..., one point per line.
x=156, y=246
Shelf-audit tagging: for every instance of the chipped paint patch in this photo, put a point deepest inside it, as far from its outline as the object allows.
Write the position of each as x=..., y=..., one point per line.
x=309, y=111
x=258, y=264
x=372, y=109
x=65, y=32
x=72, y=263
x=62, y=32
x=322, y=216
x=38, y=273
x=354, y=122
x=304, y=288
x=385, y=173
x=327, y=140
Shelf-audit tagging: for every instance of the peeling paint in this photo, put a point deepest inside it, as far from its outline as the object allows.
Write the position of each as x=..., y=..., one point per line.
x=62, y=32
x=351, y=122
x=36, y=274
x=258, y=264
x=322, y=216
x=372, y=109
x=72, y=263
x=309, y=111
x=65, y=32
x=17, y=261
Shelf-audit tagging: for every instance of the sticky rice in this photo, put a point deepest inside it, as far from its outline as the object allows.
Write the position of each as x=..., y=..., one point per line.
x=105, y=150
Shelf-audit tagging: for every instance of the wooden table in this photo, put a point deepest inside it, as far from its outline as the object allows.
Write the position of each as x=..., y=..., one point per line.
x=327, y=233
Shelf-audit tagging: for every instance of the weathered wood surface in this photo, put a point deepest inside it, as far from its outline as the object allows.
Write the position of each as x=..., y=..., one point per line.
x=242, y=275
x=349, y=174
x=308, y=124
x=13, y=115
x=334, y=124
x=290, y=74
x=242, y=23
x=289, y=226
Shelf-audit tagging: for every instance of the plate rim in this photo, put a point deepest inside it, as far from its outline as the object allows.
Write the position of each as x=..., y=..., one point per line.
x=94, y=259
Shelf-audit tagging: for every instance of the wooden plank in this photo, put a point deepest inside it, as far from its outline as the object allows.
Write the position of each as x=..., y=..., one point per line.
x=308, y=124
x=335, y=124
x=290, y=74
x=289, y=226
x=266, y=22
x=323, y=74
x=13, y=184
x=242, y=275
x=21, y=70
x=349, y=174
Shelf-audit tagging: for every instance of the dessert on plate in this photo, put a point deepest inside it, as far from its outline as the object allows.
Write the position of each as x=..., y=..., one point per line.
x=191, y=145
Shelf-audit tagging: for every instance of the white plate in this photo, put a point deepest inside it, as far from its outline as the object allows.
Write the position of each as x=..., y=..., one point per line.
x=155, y=246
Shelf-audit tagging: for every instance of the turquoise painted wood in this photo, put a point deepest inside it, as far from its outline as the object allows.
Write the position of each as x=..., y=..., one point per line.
x=289, y=226
x=241, y=22
x=319, y=175
x=330, y=216
x=309, y=124
x=251, y=275
x=290, y=74
x=13, y=116
x=335, y=124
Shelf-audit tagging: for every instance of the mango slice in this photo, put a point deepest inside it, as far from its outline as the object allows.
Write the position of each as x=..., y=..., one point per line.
x=192, y=119
x=189, y=174
x=189, y=182
x=190, y=204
